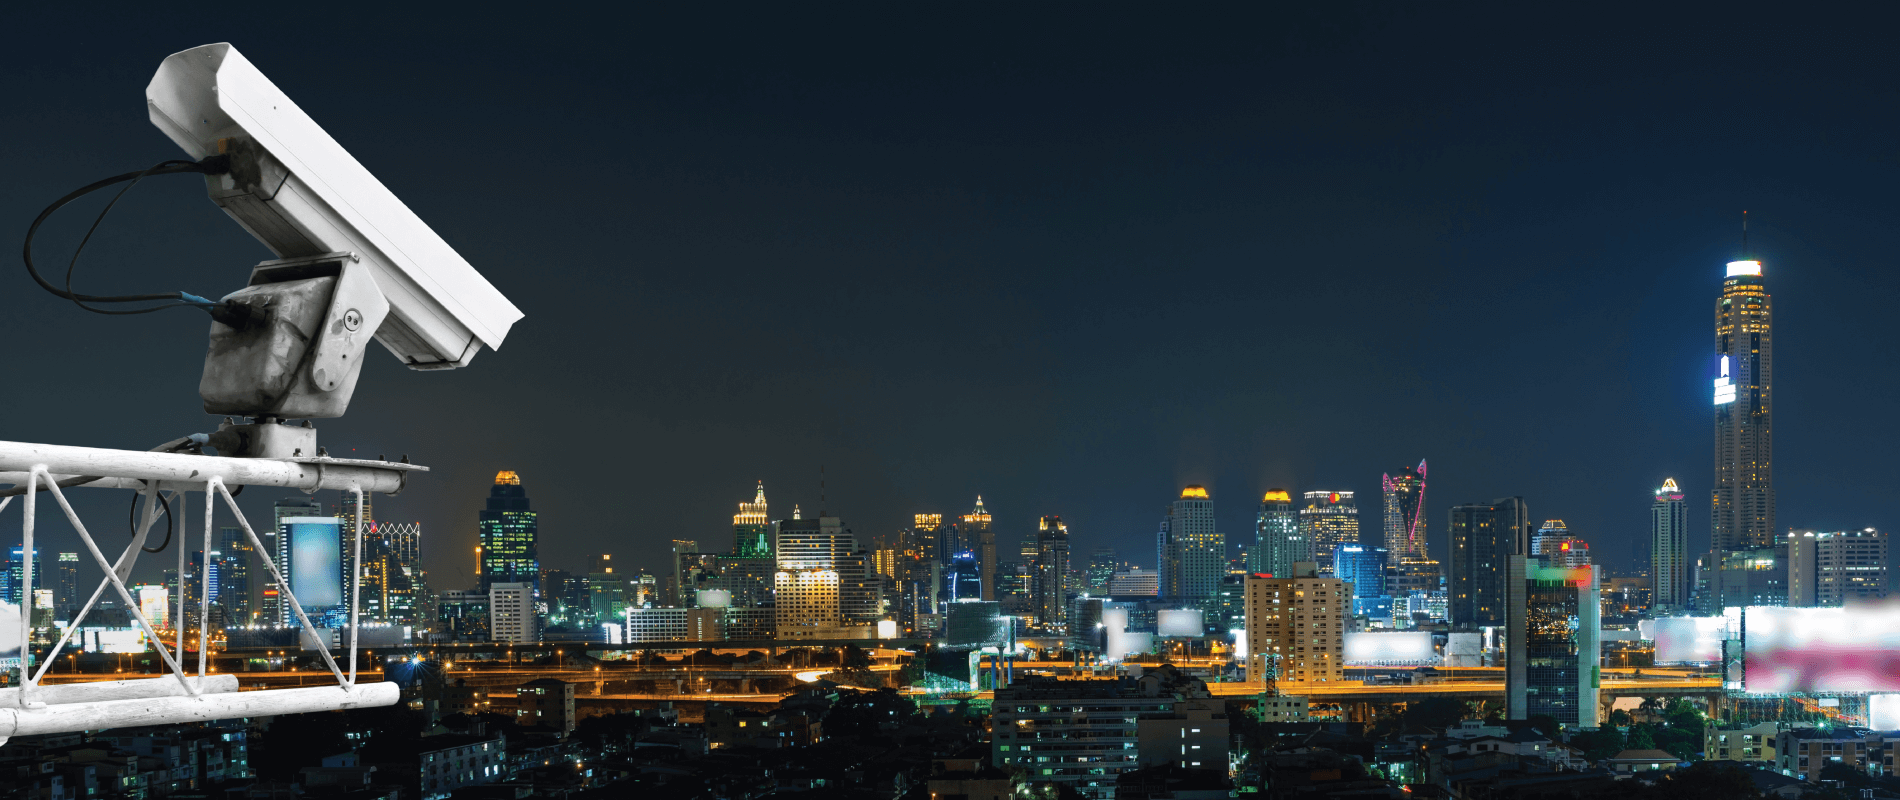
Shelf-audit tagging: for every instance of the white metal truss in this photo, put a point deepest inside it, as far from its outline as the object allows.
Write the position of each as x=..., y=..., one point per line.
x=35, y=709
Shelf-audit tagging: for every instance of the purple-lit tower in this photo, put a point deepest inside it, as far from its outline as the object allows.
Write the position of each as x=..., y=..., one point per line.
x=1404, y=524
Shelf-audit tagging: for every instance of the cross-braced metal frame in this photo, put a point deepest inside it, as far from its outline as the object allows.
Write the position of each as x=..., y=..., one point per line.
x=43, y=468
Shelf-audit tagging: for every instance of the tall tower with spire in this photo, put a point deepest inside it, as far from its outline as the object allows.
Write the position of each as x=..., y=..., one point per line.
x=977, y=530
x=1743, y=497
x=1404, y=524
x=752, y=528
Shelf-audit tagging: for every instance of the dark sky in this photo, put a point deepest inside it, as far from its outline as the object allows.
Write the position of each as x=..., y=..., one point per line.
x=1069, y=261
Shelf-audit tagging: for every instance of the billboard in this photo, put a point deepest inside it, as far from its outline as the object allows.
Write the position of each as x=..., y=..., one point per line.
x=1821, y=650
x=1390, y=647
x=1686, y=640
x=1178, y=622
x=1883, y=712
x=316, y=561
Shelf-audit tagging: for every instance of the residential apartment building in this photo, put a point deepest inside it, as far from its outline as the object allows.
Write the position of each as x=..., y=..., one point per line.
x=1296, y=626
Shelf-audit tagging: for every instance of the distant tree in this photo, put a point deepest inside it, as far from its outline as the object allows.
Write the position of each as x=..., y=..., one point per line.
x=1547, y=725
x=1641, y=737
x=1437, y=712
x=1707, y=780
x=1685, y=716
x=1620, y=718
x=1598, y=744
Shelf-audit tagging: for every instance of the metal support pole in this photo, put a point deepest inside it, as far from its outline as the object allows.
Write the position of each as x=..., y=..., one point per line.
x=204, y=590
x=26, y=599
x=179, y=622
x=356, y=582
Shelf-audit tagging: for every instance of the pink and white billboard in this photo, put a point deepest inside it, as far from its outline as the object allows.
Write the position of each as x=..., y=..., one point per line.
x=1821, y=650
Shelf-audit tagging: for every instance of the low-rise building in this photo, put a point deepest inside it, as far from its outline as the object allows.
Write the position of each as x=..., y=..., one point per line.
x=1085, y=733
x=1805, y=751
x=545, y=702
x=1754, y=745
x=452, y=761
x=1630, y=762
x=1193, y=735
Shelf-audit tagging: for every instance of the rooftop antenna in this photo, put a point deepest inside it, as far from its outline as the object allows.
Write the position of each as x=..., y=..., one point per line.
x=1744, y=233
x=821, y=490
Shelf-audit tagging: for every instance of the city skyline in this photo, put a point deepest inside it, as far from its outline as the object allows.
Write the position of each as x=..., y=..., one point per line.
x=1002, y=221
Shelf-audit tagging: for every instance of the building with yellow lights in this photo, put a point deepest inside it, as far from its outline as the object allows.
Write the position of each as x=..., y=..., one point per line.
x=1669, y=550
x=510, y=536
x=1278, y=543
x=1405, y=521
x=978, y=535
x=1329, y=520
x=752, y=532
x=1192, y=555
x=1743, y=504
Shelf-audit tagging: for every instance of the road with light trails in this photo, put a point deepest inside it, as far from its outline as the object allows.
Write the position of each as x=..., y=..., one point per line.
x=1697, y=685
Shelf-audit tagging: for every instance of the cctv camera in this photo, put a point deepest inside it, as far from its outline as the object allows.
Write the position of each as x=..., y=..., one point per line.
x=302, y=195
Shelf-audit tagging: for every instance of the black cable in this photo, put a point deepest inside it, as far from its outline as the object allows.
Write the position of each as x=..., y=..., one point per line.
x=132, y=519
x=214, y=165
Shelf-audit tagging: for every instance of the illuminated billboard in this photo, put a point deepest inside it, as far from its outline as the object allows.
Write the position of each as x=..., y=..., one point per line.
x=1390, y=647
x=1178, y=622
x=1821, y=650
x=1686, y=640
x=1883, y=712
x=316, y=561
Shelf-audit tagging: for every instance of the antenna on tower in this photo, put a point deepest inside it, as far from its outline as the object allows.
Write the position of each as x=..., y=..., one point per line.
x=1744, y=233
x=821, y=490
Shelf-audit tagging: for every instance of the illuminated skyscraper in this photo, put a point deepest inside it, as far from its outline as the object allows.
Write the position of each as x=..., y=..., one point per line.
x=1484, y=537
x=1329, y=520
x=823, y=544
x=1828, y=569
x=752, y=528
x=1102, y=564
x=980, y=538
x=1551, y=532
x=1669, y=549
x=1052, y=573
x=927, y=536
x=1743, y=511
x=1404, y=517
x=1552, y=642
x=1278, y=542
x=67, y=582
x=16, y=577
x=1193, y=554
x=510, y=536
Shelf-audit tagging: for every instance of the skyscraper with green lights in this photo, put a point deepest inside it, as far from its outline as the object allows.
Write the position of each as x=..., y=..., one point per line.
x=509, y=535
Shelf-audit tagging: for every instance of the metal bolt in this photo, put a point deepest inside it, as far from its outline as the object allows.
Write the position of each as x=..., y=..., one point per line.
x=352, y=319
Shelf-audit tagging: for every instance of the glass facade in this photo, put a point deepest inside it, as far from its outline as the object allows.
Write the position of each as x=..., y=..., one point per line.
x=509, y=536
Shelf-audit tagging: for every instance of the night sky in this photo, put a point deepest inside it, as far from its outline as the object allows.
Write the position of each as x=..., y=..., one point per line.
x=1071, y=262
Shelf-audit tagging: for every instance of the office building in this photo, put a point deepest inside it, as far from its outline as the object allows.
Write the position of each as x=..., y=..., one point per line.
x=462, y=615
x=1484, y=537
x=511, y=616
x=675, y=585
x=1833, y=569
x=1191, y=553
x=823, y=543
x=1052, y=573
x=980, y=538
x=752, y=528
x=66, y=584
x=404, y=539
x=1552, y=654
x=510, y=536
x=1751, y=577
x=1553, y=530
x=1405, y=512
x=1329, y=520
x=1743, y=508
x=15, y=577
x=277, y=543
x=1278, y=541
x=1364, y=570
x=927, y=537
x=1567, y=553
x=1669, y=550
x=1102, y=564
x=1134, y=582
x=237, y=592
x=808, y=603
x=964, y=583
x=1296, y=626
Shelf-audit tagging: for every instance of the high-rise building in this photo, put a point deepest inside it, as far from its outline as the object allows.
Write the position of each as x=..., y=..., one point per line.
x=1743, y=510
x=823, y=543
x=678, y=586
x=926, y=535
x=277, y=542
x=1669, y=550
x=1134, y=582
x=1484, y=536
x=237, y=592
x=1329, y=520
x=1831, y=569
x=15, y=576
x=510, y=536
x=1296, y=626
x=404, y=540
x=1566, y=553
x=1553, y=530
x=1405, y=512
x=1052, y=573
x=964, y=583
x=980, y=538
x=1193, y=553
x=752, y=528
x=347, y=511
x=1278, y=541
x=511, y=615
x=1551, y=642
x=1102, y=564
x=66, y=582
x=1363, y=569
x=809, y=602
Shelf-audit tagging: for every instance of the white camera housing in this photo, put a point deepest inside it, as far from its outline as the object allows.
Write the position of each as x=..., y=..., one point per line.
x=302, y=195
